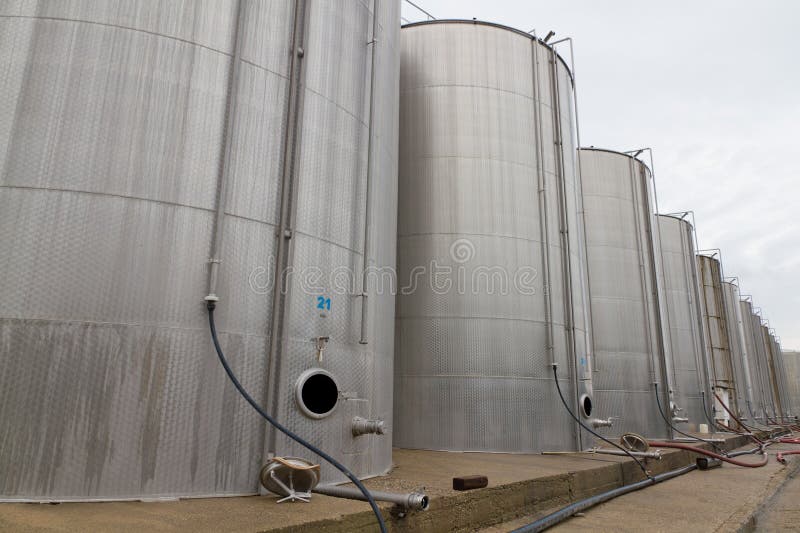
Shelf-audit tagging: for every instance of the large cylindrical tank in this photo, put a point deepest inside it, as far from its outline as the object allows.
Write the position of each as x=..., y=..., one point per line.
x=625, y=290
x=769, y=369
x=769, y=407
x=776, y=372
x=490, y=255
x=122, y=123
x=783, y=377
x=743, y=387
x=791, y=361
x=752, y=352
x=686, y=344
x=717, y=335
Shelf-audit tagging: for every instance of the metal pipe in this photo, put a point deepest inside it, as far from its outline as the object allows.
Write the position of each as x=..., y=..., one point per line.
x=543, y=211
x=426, y=13
x=412, y=501
x=563, y=222
x=562, y=514
x=655, y=239
x=284, y=231
x=222, y=184
x=649, y=455
x=701, y=355
x=584, y=380
x=642, y=272
x=701, y=451
x=368, y=187
x=363, y=426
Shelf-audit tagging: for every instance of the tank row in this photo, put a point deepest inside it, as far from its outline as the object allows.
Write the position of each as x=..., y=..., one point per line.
x=398, y=231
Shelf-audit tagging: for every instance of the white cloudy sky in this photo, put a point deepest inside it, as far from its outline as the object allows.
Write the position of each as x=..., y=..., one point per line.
x=714, y=87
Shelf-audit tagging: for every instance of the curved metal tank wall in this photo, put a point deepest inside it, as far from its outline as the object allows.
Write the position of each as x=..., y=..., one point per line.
x=748, y=322
x=690, y=380
x=483, y=108
x=741, y=371
x=717, y=336
x=767, y=394
x=624, y=290
x=786, y=399
x=776, y=373
x=788, y=407
x=114, y=144
x=771, y=373
x=791, y=361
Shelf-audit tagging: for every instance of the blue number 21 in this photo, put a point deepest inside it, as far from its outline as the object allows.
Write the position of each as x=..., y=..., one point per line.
x=323, y=303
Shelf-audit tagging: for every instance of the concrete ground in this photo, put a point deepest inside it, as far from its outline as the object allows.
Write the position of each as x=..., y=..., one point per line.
x=782, y=513
x=729, y=498
x=519, y=486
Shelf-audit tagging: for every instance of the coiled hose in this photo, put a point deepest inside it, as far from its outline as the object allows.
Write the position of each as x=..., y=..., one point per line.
x=343, y=469
x=584, y=426
x=701, y=451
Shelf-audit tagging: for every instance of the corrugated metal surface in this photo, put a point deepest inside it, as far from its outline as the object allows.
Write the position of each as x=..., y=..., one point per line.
x=743, y=387
x=757, y=399
x=683, y=318
x=776, y=373
x=623, y=281
x=112, y=135
x=483, y=112
x=717, y=332
x=786, y=399
x=767, y=395
x=773, y=375
x=791, y=361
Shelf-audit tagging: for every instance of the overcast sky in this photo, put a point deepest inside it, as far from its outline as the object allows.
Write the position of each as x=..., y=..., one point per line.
x=713, y=86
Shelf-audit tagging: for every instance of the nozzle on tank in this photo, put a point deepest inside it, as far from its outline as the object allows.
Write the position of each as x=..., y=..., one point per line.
x=363, y=426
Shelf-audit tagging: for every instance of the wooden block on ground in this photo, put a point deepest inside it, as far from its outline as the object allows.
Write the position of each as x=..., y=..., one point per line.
x=470, y=482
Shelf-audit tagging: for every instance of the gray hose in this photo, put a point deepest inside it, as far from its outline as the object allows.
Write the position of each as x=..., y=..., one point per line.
x=568, y=511
x=412, y=501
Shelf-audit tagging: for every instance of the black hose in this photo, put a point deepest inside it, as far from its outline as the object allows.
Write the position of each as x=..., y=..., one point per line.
x=710, y=420
x=343, y=469
x=753, y=451
x=584, y=426
x=661, y=410
x=562, y=514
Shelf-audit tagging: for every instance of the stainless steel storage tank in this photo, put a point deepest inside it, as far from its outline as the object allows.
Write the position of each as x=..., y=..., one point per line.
x=771, y=372
x=689, y=372
x=625, y=292
x=490, y=244
x=791, y=360
x=125, y=128
x=767, y=391
x=717, y=335
x=750, y=321
x=776, y=371
x=783, y=378
x=743, y=387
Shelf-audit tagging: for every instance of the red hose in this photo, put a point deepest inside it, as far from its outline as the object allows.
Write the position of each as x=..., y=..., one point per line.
x=737, y=419
x=789, y=441
x=701, y=451
x=781, y=454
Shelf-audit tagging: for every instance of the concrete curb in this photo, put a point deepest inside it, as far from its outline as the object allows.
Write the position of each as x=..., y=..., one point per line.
x=477, y=509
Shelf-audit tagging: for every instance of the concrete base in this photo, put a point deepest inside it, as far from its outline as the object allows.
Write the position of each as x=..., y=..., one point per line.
x=519, y=486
